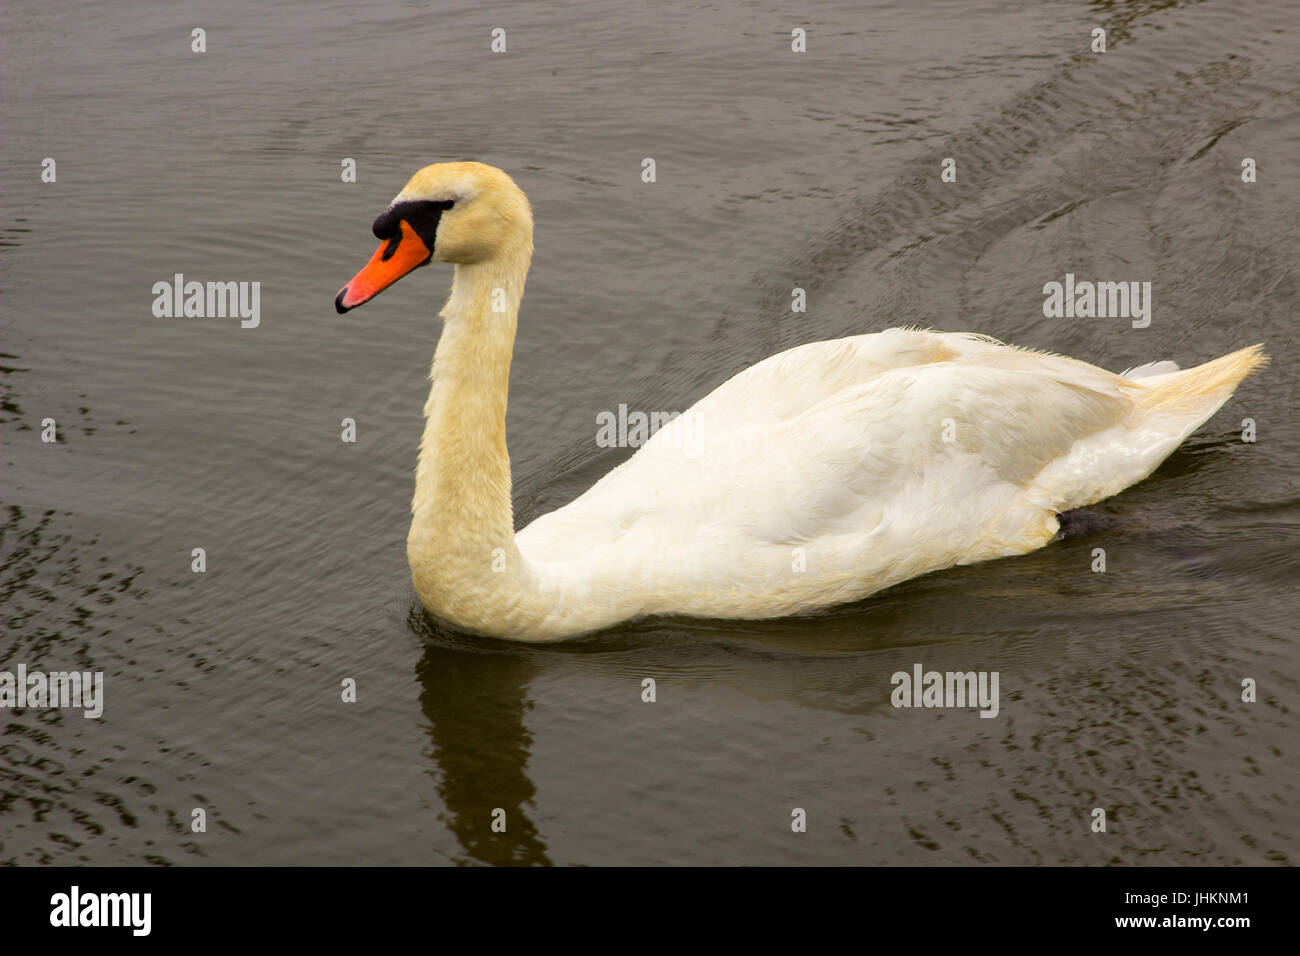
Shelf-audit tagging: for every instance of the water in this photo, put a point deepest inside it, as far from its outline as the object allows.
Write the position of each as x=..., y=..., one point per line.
x=1119, y=690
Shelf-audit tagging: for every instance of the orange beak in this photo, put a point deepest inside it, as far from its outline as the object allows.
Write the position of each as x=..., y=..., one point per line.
x=393, y=259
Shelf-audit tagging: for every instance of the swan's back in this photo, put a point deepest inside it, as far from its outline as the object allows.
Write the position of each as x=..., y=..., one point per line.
x=836, y=468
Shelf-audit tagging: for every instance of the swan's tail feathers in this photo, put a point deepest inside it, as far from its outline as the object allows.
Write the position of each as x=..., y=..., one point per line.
x=1151, y=368
x=1201, y=389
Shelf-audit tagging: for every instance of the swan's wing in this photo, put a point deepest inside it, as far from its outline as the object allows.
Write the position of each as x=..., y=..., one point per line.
x=930, y=435
x=743, y=411
x=746, y=410
x=789, y=383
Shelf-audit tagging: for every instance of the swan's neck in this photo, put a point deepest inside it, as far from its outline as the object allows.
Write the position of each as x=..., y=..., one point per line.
x=461, y=545
x=465, y=563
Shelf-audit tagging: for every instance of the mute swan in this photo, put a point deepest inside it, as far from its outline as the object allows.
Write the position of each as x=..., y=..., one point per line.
x=818, y=476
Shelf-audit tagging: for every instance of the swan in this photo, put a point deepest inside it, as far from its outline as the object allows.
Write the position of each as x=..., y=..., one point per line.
x=816, y=477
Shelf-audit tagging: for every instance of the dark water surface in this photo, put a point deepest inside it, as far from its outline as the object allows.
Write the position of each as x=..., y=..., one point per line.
x=820, y=170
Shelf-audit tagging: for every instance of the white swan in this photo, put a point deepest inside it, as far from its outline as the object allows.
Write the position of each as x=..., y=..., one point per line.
x=818, y=476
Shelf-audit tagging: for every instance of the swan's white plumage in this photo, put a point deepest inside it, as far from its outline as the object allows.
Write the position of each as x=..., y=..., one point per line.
x=818, y=476
x=879, y=457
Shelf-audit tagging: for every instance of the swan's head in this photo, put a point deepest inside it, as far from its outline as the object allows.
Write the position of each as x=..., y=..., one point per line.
x=464, y=213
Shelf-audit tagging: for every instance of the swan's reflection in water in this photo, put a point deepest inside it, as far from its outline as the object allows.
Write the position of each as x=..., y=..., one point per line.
x=475, y=695
x=476, y=699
